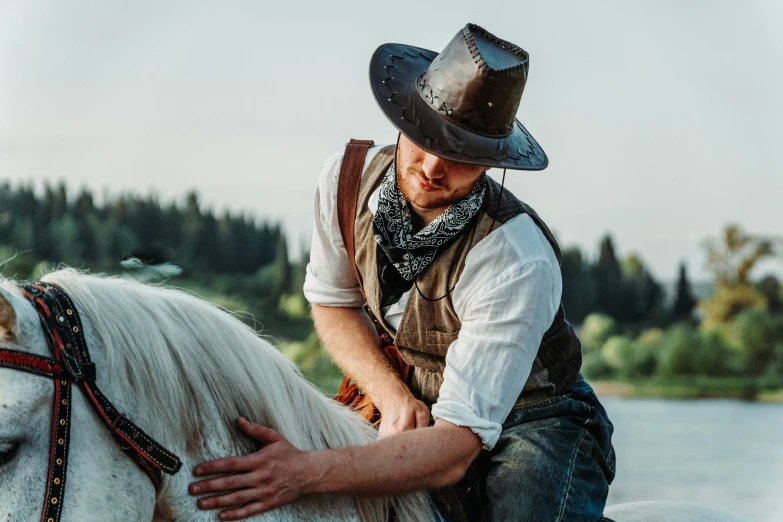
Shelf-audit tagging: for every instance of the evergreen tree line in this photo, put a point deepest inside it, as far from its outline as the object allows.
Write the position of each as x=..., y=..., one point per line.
x=624, y=290
x=78, y=232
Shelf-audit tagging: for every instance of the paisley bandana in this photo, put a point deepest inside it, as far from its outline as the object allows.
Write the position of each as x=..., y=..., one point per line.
x=411, y=253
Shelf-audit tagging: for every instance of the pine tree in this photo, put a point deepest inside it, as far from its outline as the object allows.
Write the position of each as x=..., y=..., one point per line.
x=282, y=265
x=684, y=302
x=578, y=286
x=641, y=294
x=609, y=281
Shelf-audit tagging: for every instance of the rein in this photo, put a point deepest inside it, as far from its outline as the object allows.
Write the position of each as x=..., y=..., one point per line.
x=71, y=364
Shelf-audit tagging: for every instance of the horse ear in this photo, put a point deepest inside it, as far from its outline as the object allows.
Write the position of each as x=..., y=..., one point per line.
x=7, y=319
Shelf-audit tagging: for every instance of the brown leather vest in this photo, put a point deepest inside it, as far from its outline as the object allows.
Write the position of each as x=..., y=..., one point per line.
x=428, y=328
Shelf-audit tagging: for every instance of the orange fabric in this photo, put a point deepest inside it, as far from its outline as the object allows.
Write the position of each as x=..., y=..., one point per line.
x=350, y=394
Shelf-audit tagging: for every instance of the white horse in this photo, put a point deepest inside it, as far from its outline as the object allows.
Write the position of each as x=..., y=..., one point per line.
x=183, y=370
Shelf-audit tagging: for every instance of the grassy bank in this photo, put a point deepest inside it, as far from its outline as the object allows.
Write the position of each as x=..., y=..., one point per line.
x=740, y=388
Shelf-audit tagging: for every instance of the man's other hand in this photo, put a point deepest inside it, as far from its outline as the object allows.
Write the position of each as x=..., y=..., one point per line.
x=401, y=412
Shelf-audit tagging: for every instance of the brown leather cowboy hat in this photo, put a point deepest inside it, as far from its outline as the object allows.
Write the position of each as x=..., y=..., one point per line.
x=460, y=104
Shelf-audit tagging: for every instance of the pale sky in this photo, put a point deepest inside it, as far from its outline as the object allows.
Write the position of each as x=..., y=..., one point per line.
x=661, y=120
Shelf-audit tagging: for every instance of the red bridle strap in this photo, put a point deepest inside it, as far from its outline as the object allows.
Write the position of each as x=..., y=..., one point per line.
x=72, y=365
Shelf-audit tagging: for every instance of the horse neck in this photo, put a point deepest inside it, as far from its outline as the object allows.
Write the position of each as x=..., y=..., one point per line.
x=297, y=410
x=174, y=503
x=170, y=374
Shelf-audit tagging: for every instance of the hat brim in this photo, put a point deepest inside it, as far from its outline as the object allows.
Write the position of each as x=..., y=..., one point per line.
x=393, y=72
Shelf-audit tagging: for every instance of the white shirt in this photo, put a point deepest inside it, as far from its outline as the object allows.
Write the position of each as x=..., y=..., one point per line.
x=506, y=299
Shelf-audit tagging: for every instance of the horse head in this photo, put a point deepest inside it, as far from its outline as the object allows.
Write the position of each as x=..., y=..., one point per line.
x=102, y=482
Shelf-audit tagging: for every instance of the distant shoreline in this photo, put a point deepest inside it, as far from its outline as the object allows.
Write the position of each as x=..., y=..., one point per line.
x=703, y=389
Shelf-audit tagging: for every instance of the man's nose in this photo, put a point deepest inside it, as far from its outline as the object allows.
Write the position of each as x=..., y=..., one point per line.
x=433, y=166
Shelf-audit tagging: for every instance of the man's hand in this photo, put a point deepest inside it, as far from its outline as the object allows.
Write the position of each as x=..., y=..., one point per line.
x=279, y=473
x=401, y=412
x=273, y=476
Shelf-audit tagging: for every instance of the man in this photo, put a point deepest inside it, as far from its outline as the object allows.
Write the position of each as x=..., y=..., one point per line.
x=465, y=278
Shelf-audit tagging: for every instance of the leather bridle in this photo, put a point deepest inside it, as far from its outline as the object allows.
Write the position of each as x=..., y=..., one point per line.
x=71, y=364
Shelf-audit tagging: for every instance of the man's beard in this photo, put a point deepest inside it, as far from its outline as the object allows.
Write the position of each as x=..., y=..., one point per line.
x=442, y=201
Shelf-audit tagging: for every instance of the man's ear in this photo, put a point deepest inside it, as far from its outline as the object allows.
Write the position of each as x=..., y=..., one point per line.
x=7, y=320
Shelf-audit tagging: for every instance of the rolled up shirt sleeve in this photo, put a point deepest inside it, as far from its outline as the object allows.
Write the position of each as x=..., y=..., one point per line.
x=489, y=363
x=329, y=277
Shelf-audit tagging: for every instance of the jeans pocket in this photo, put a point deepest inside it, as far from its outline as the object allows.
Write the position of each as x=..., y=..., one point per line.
x=546, y=403
x=549, y=408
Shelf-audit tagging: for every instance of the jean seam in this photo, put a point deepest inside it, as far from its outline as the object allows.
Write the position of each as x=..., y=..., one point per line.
x=570, y=476
x=543, y=404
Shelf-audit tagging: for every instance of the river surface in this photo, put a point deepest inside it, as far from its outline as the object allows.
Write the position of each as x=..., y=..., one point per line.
x=722, y=454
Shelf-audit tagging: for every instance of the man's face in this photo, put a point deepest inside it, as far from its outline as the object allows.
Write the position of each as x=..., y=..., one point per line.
x=431, y=183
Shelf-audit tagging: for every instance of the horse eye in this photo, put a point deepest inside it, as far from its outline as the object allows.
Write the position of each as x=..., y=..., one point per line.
x=8, y=449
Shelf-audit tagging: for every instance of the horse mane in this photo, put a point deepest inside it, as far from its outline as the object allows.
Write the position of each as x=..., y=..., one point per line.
x=191, y=369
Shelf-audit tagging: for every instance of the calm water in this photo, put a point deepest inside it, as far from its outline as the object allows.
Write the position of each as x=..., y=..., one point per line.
x=723, y=454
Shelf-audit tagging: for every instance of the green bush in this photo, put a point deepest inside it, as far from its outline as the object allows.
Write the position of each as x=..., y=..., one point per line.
x=594, y=366
x=632, y=358
x=759, y=335
x=646, y=354
x=687, y=351
x=678, y=351
x=617, y=353
x=596, y=330
x=714, y=357
x=295, y=305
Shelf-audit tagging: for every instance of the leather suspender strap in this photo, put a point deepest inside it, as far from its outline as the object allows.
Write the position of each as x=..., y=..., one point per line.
x=347, y=194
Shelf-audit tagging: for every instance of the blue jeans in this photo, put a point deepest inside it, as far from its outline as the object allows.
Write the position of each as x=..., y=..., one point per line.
x=554, y=462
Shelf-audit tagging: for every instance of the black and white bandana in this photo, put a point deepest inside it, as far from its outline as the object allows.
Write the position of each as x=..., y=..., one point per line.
x=411, y=253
